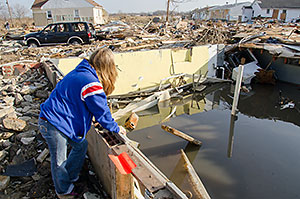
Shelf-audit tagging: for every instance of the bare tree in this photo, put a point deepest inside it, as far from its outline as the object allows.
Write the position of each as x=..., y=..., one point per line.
x=19, y=11
x=173, y=3
x=3, y=11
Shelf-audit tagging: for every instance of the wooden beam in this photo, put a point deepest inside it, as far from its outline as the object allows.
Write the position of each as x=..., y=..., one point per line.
x=197, y=184
x=181, y=135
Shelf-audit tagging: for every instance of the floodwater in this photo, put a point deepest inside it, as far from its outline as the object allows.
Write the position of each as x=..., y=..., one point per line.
x=256, y=156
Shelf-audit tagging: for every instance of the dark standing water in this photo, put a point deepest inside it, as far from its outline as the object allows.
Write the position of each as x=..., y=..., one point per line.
x=265, y=157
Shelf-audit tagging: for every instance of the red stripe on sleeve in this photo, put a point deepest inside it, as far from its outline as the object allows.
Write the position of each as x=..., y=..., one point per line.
x=91, y=89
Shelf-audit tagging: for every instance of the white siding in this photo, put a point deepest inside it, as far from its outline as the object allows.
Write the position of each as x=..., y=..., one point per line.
x=247, y=15
x=98, y=16
x=292, y=14
x=237, y=11
x=264, y=12
x=257, y=10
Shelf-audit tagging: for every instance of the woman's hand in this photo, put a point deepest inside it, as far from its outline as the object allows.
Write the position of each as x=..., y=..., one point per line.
x=122, y=130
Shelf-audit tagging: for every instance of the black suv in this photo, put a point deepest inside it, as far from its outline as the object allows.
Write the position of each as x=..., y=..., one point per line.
x=62, y=33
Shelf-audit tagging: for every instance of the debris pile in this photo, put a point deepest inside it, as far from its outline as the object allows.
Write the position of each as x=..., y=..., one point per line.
x=128, y=33
x=24, y=157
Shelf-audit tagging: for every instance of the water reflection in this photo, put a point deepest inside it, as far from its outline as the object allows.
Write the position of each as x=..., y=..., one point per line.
x=263, y=102
x=233, y=118
x=257, y=158
x=178, y=175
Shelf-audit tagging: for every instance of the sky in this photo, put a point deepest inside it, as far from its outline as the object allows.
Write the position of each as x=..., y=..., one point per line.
x=115, y=6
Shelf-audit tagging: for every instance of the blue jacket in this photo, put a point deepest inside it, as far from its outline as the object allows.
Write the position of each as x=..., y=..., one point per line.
x=76, y=99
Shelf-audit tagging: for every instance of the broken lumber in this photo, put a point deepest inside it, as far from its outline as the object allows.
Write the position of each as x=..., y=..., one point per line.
x=197, y=184
x=181, y=135
x=131, y=121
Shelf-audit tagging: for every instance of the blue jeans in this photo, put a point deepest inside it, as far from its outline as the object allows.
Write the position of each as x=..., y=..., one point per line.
x=64, y=170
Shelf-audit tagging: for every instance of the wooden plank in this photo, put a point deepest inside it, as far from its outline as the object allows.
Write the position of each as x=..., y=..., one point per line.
x=149, y=175
x=125, y=187
x=177, y=175
x=197, y=184
x=181, y=135
x=275, y=14
x=145, y=173
x=283, y=16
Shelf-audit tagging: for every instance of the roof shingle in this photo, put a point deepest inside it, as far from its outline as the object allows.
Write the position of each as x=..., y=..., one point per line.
x=93, y=3
x=40, y=3
x=279, y=3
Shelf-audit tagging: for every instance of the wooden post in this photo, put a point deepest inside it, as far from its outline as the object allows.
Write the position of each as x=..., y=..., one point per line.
x=197, y=184
x=181, y=134
x=238, y=87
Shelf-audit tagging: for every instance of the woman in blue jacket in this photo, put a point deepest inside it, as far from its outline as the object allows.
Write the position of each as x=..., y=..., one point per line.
x=66, y=116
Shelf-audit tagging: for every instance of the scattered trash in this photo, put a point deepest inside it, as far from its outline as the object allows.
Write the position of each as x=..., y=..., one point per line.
x=4, y=182
x=285, y=102
x=288, y=105
x=89, y=195
x=42, y=155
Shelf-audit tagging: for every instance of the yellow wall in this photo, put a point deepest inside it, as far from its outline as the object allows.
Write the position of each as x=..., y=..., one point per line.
x=143, y=69
x=164, y=111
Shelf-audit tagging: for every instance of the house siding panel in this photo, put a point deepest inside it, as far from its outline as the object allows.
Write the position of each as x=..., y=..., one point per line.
x=292, y=14
x=98, y=19
x=40, y=18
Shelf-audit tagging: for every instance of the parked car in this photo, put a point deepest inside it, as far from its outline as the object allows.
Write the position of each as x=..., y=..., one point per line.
x=62, y=33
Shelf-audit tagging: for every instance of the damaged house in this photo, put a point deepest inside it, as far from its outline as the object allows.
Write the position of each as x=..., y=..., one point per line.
x=228, y=12
x=284, y=10
x=51, y=11
x=201, y=14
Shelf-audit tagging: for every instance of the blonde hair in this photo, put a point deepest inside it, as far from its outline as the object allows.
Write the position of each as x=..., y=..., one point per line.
x=103, y=62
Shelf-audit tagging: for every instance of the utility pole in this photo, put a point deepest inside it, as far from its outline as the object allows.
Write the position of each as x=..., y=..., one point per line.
x=9, y=11
x=168, y=10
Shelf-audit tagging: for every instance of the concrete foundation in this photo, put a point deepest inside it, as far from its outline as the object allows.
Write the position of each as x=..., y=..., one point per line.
x=137, y=70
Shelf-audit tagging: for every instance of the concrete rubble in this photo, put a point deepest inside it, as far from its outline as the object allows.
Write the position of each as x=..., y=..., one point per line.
x=20, y=140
